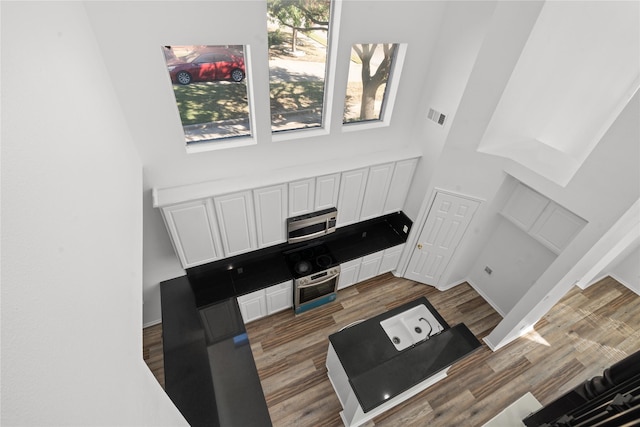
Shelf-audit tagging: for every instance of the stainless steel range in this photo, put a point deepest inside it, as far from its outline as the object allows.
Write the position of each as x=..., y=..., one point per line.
x=315, y=276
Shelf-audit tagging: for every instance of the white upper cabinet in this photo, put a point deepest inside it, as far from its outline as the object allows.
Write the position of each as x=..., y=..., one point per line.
x=556, y=227
x=402, y=177
x=230, y=224
x=237, y=222
x=301, y=196
x=375, y=195
x=544, y=220
x=194, y=232
x=327, y=188
x=524, y=206
x=271, y=214
x=352, y=186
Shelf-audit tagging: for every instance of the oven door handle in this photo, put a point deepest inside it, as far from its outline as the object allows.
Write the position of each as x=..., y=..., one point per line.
x=307, y=236
x=317, y=283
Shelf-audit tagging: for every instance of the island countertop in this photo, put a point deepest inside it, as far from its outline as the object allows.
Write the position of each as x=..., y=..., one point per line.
x=378, y=372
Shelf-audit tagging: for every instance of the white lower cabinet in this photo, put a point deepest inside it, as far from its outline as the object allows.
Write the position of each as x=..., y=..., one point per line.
x=279, y=297
x=369, y=266
x=264, y=302
x=390, y=258
x=253, y=306
x=349, y=273
x=366, y=267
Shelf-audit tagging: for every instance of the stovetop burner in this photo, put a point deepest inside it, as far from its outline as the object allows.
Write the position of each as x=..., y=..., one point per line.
x=323, y=261
x=303, y=267
x=309, y=259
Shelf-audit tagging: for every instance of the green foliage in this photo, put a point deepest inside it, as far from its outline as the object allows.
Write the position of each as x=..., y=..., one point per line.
x=302, y=15
x=276, y=38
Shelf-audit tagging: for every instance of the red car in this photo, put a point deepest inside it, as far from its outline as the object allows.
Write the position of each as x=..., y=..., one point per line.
x=207, y=65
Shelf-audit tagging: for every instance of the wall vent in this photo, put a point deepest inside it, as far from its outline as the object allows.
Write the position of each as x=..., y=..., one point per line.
x=436, y=116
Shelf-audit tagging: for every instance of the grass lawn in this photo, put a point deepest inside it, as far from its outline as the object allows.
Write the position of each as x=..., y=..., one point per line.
x=216, y=101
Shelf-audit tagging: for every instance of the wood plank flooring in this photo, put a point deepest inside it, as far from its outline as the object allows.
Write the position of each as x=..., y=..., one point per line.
x=583, y=334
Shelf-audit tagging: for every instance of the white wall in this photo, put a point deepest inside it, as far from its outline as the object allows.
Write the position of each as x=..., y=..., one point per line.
x=71, y=233
x=147, y=99
x=602, y=191
x=624, y=264
x=627, y=270
x=516, y=260
x=460, y=168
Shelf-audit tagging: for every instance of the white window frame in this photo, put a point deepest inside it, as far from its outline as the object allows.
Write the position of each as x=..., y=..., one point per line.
x=232, y=141
x=329, y=84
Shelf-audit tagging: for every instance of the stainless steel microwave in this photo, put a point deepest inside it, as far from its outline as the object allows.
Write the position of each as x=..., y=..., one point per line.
x=311, y=225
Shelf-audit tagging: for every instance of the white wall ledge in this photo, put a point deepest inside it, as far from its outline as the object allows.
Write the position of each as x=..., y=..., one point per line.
x=173, y=195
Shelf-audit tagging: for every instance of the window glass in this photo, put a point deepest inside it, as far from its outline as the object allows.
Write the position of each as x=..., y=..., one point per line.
x=369, y=74
x=210, y=89
x=298, y=39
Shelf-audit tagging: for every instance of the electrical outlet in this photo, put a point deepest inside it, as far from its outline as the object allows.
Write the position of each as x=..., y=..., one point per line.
x=488, y=270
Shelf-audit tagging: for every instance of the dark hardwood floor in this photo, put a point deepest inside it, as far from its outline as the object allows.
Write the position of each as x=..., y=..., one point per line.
x=583, y=334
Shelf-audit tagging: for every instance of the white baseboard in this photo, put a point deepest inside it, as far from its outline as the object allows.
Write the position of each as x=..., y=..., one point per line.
x=584, y=286
x=626, y=284
x=495, y=306
x=450, y=285
x=623, y=282
x=151, y=323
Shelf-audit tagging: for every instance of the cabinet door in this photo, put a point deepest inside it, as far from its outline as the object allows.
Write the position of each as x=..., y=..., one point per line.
x=402, y=177
x=556, y=227
x=352, y=186
x=237, y=223
x=194, y=232
x=349, y=273
x=253, y=306
x=390, y=258
x=370, y=266
x=301, y=196
x=271, y=214
x=279, y=297
x=524, y=206
x=327, y=188
x=376, y=191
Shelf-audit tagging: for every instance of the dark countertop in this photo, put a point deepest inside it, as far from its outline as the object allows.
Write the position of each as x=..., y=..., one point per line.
x=375, y=368
x=368, y=237
x=210, y=374
x=260, y=269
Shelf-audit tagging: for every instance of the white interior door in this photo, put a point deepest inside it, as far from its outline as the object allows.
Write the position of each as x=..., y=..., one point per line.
x=443, y=230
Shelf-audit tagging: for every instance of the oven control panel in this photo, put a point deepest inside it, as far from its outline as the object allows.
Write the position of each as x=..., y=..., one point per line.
x=319, y=277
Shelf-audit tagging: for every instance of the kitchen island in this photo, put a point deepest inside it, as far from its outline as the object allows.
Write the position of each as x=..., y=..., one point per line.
x=370, y=376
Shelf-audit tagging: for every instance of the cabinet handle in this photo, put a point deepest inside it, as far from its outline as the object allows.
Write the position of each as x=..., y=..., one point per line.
x=419, y=245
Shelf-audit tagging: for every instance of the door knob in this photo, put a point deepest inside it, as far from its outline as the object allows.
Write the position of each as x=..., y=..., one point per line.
x=419, y=245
